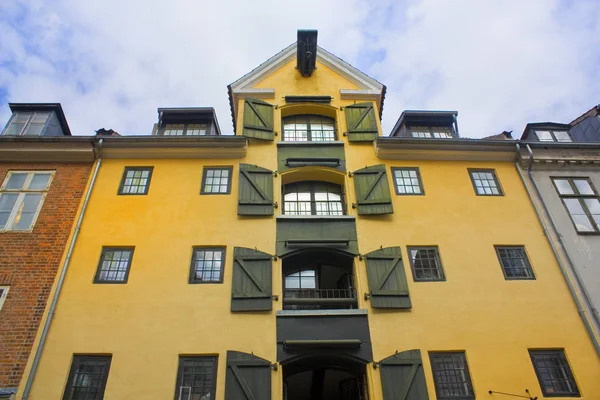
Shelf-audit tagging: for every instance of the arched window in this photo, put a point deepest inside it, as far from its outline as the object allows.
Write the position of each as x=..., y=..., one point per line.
x=308, y=128
x=313, y=198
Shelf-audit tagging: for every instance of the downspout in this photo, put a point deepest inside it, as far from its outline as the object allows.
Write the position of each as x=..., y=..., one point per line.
x=63, y=272
x=580, y=309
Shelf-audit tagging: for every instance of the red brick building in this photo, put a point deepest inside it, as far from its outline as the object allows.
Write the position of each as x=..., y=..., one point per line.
x=43, y=176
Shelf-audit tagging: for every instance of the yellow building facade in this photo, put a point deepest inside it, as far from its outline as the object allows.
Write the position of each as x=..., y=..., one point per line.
x=384, y=297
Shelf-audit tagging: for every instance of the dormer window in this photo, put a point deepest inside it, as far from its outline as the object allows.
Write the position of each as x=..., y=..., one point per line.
x=186, y=130
x=188, y=121
x=553, y=136
x=422, y=124
x=35, y=119
x=438, y=132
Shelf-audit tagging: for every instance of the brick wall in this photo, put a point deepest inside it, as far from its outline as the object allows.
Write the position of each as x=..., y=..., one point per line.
x=29, y=262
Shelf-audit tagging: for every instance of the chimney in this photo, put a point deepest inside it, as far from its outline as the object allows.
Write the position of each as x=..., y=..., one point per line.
x=306, y=51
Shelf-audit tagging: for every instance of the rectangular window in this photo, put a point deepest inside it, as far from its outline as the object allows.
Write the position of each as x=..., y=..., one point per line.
x=186, y=129
x=407, y=181
x=114, y=266
x=553, y=373
x=21, y=198
x=196, y=378
x=207, y=265
x=27, y=123
x=451, y=375
x=553, y=136
x=485, y=182
x=581, y=201
x=426, y=264
x=136, y=180
x=87, y=378
x=514, y=262
x=438, y=132
x=216, y=180
x=3, y=294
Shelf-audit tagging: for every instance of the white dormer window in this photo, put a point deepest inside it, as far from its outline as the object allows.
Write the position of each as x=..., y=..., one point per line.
x=27, y=123
x=553, y=136
x=438, y=132
x=186, y=130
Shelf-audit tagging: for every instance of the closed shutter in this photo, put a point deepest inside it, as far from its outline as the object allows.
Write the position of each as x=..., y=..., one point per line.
x=255, y=194
x=251, y=282
x=402, y=377
x=247, y=378
x=258, y=119
x=387, y=279
x=361, y=121
x=372, y=191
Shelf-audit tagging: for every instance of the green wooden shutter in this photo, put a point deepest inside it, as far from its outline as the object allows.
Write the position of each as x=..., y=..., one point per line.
x=247, y=378
x=258, y=119
x=387, y=279
x=372, y=191
x=251, y=282
x=402, y=377
x=255, y=194
x=361, y=122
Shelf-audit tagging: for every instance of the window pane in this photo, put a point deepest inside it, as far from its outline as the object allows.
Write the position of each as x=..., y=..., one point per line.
x=16, y=181
x=40, y=117
x=563, y=186
x=544, y=136
x=7, y=202
x=14, y=129
x=583, y=186
x=562, y=136
x=34, y=129
x=40, y=181
x=27, y=211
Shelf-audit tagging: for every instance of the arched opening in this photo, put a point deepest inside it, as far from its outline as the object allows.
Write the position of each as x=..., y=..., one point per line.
x=313, y=198
x=318, y=280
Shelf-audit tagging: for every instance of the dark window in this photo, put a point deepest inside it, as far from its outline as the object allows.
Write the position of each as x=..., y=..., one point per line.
x=438, y=132
x=136, y=180
x=451, y=375
x=308, y=128
x=553, y=136
x=514, y=262
x=582, y=202
x=407, y=181
x=196, y=378
x=115, y=263
x=553, y=373
x=485, y=182
x=426, y=264
x=187, y=129
x=87, y=378
x=313, y=198
x=216, y=180
x=207, y=265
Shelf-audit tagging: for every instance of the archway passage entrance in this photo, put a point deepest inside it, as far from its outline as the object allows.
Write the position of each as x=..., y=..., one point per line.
x=324, y=377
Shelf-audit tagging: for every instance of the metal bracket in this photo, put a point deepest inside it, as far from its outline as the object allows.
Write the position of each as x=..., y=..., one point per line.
x=275, y=133
x=274, y=366
x=344, y=134
x=275, y=173
x=360, y=257
x=375, y=364
x=275, y=205
x=274, y=258
x=350, y=174
x=367, y=296
x=275, y=297
x=353, y=205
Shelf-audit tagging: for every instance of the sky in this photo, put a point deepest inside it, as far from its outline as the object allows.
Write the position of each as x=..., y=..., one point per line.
x=500, y=64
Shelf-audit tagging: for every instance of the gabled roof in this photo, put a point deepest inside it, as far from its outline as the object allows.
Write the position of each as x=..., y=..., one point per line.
x=370, y=89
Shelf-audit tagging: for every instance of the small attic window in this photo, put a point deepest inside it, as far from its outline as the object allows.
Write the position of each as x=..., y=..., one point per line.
x=27, y=123
x=553, y=136
x=187, y=129
x=438, y=132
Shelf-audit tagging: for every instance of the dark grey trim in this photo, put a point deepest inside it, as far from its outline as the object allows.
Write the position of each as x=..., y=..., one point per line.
x=493, y=172
x=560, y=353
x=418, y=177
x=513, y=278
x=114, y=248
x=432, y=356
x=439, y=260
x=146, y=189
x=205, y=169
x=192, y=277
x=308, y=99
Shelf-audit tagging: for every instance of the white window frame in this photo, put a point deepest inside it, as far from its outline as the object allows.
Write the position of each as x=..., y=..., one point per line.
x=3, y=295
x=553, y=136
x=22, y=192
x=27, y=124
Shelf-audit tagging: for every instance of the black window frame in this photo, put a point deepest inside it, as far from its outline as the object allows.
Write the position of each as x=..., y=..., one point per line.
x=105, y=250
x=496, y=180
x=417, y=170
x=581, y=198
x=308, y=128
x=565, y=363
x=192, y=276
x=180, y=372
x=554, y=138
x=205, y=171
x=124, y=177
x=312, y=189
x=437, y=384
x=525, y=257
x=75, y=362
x=438, y=258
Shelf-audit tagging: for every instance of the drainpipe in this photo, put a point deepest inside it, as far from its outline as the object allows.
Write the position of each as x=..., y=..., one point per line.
x=580, y=309
x=63, y=272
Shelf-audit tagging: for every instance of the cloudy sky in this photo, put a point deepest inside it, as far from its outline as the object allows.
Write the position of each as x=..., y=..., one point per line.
x=111, y=63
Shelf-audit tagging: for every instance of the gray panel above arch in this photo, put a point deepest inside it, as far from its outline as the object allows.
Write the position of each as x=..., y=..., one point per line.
x=304, y=232
x=302, y=154
x=402, y=376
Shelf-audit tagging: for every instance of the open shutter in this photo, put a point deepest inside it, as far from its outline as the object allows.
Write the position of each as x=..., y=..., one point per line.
x=255, y=194
x=372, y=191
x=387, y=280
x=251, y=283
x=258, y=119
x=248, y=377
x=361, y=121
x=402, y=377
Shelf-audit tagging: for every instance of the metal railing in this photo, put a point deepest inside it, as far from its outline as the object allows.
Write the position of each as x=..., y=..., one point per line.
x=320, y=297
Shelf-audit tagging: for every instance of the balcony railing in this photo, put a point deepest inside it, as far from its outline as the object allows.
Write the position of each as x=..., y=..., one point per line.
x=319, y=298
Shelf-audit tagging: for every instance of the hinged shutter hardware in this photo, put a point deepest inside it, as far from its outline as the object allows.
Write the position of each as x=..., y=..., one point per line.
x=375, y=364
x=367, y=296
x=350, y=174
x=275, y=297
x=344, y=134
x=353, y=205
x=515, y=395
x=273, y=366
x=275, y=133
x=274, y=258
x=275, y=173
x=275, y=205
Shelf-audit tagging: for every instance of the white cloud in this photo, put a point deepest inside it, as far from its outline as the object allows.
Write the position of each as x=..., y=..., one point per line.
x=113, y=63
